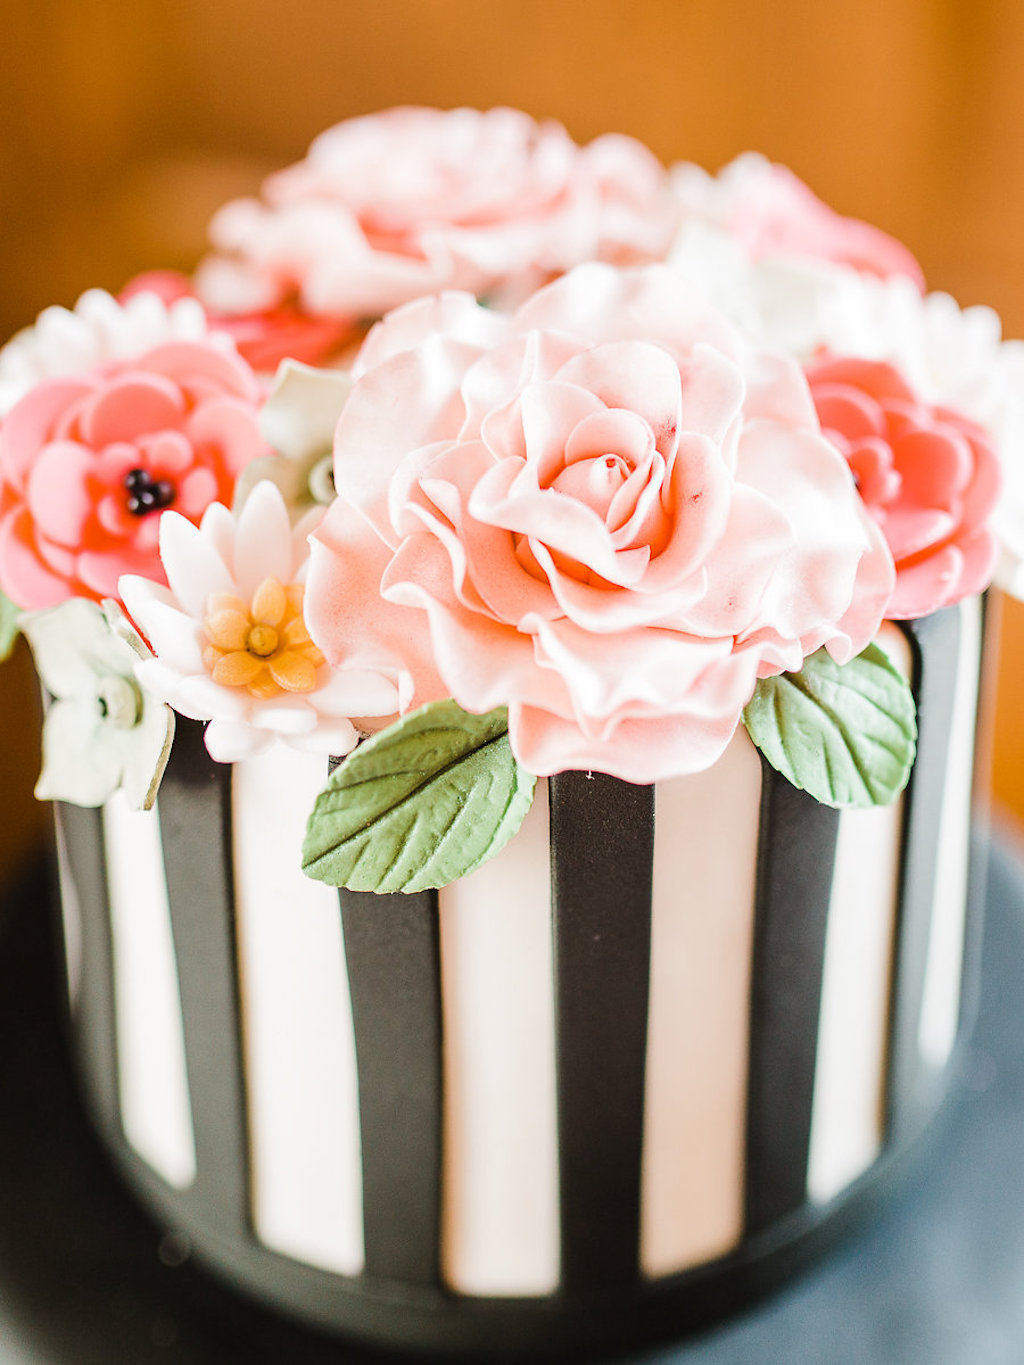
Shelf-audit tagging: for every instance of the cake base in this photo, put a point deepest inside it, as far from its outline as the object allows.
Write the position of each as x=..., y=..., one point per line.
x=84, y=1277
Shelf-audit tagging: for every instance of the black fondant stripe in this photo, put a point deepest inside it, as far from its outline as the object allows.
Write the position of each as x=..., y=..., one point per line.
x=935, y=642
x=94, y=1023
x=796, y=857
x=392, y=950
x=195, y=818
x=602, y=848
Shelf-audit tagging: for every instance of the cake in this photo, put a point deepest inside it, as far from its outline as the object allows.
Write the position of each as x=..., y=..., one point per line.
x=510, y=629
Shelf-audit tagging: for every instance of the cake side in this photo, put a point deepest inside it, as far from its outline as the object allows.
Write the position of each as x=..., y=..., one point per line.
x=754, y=1113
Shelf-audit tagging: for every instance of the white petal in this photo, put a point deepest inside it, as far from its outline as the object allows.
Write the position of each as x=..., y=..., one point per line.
x=65, y=641
x=142, y=589
x=356, y=692
x=263, y=541
x=193, y=566
x=290, y=476
x=166, y=686
x=211, y=699
x=299, y=417
x=123, y=629
x=147, y=754
x=81, y=758
x=218, y=526
x=230, y=741
x=177, y=640
x=284, y=715
x=337, y=737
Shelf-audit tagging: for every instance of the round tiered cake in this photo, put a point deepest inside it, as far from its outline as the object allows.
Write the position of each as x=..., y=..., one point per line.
x=514, y=760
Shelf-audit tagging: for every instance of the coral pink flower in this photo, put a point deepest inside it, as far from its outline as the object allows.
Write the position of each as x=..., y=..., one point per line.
x=89, y=460
x=601, y=512
x=773, y=213
x=928, y=475
x=265, y=338
x=393, y=206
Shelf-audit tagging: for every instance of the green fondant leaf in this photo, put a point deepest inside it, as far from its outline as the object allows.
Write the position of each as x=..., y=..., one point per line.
x=424, y=802
x=845, y=733
x=9, y=628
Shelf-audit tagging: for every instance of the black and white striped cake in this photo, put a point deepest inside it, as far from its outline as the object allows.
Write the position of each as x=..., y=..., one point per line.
x=498, y=917
x=629, y=1071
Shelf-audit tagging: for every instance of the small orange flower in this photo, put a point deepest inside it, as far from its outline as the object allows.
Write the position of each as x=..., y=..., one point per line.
x=265, y=647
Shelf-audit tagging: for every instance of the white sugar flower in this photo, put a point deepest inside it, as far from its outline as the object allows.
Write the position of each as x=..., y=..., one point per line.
x=102, y=730
x=298, y=421
x=230, y=640
x=789, y=303
x=950, y=356
x=97, y=330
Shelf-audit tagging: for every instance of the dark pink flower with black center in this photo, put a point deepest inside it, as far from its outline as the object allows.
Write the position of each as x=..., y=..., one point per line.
x=91, y=457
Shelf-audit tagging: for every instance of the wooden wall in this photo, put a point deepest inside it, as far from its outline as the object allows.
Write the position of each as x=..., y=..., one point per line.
x=128, y=121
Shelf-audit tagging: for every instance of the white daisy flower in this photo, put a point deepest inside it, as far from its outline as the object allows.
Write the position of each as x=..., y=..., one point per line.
x=230, y=639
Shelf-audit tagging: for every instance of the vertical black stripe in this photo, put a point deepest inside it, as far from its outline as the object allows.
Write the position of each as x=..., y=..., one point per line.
x=195, y=818
x=795, y=862
x=602, y=849
x=935, y=642
x=93, y=1018
x=392, y=950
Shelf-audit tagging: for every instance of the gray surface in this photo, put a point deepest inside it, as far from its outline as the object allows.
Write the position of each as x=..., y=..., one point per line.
x=938, y=1279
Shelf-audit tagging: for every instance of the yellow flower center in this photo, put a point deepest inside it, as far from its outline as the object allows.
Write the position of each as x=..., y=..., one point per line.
x=262, y=641
x=263, y=647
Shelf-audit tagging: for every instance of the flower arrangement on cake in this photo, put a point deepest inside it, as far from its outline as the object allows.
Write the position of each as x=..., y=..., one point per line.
x=582, y=557
x=633, y=458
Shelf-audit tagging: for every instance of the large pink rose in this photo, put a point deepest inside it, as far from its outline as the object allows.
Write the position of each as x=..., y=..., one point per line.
x=397, y=205
x=601, y=512
x=929, y=477
x=773, y=213
x=88, y=462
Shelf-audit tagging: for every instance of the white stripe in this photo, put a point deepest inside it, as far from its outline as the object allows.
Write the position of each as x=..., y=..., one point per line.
x=848, y=1108
x=71, y=915
x=847, y=1114
x=500, y=1212
x=156, y=1112
x=940, y=1008
x=705, y=865
x=296, y=1022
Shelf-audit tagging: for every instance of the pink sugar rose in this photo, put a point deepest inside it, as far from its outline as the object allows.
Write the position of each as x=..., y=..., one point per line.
x=396, y=205
x=602, y=512
x=929, y=476
x=773, y=213
x=87, y=463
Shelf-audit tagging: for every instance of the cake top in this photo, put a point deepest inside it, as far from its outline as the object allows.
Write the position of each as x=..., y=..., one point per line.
x=470, y=455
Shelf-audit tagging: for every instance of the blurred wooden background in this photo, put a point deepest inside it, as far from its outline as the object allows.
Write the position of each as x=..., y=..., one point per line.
x=126, y=122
